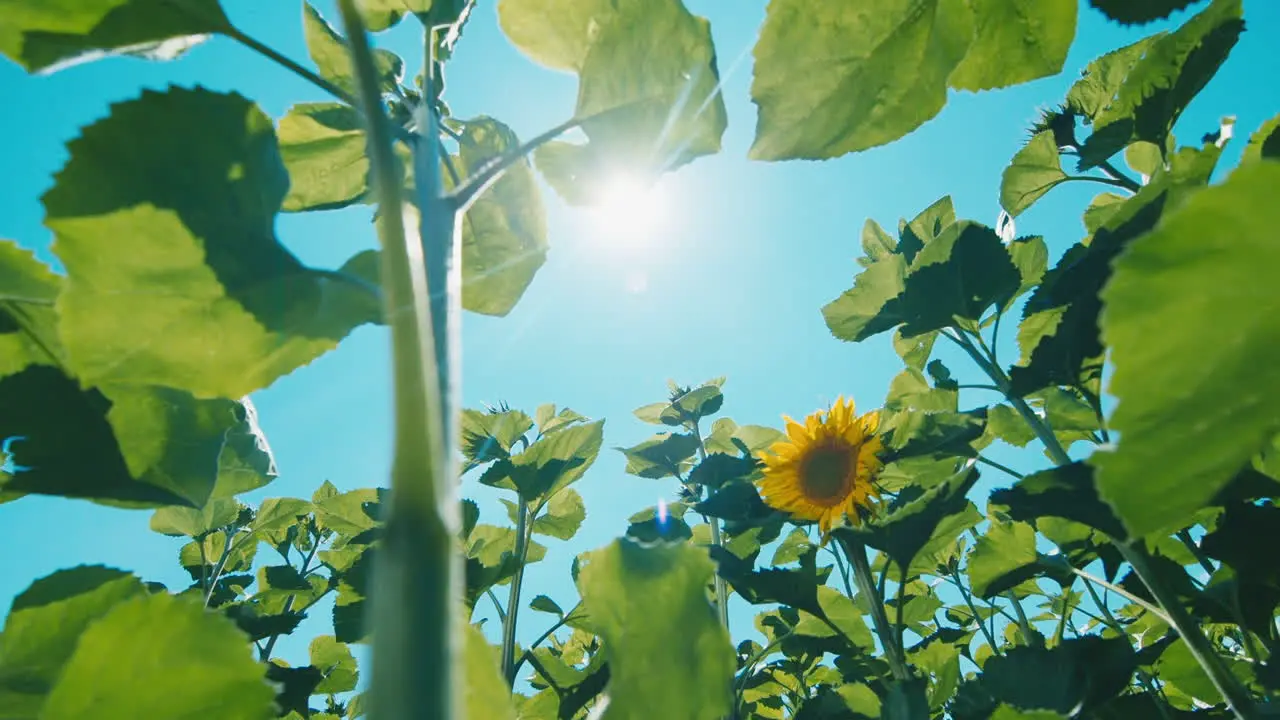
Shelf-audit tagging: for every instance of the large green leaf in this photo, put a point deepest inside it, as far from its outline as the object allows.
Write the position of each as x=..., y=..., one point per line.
x=44, y=625
x=176, y=277
x=1078, y=674
x=1002, y=557
x=504, y=233
x=139, y=659
x=1160, y=85
x=1034, y=171
x=1196, y=401
x=1136, y=12
x=323, y=148
x=554, y=462
x=195, y=522
x=335, y=660
x=646, y=70
x=1068, y=492
x=1102, y=78
x=1264, y=142
x=131, y=445
x=47, y=34
x=869, y=73
x=650, y=606
x=903, y=533
x=663, y=455
x=1016, y=41
x=957, y=276
x=870, y=306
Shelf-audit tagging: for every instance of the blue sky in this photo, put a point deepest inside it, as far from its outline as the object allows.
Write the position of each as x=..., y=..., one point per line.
x=730, y=284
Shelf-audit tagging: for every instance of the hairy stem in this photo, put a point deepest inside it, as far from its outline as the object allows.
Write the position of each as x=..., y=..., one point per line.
x=416, y=654
x=856, y=552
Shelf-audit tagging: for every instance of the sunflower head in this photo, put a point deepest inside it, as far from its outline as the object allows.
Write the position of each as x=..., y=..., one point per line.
x=825, y=469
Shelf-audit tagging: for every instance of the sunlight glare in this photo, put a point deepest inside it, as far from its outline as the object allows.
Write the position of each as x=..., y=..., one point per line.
x=630, y=212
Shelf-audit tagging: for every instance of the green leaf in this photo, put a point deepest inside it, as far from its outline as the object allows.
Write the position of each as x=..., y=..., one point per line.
x=859, y=83
x=662, y=455
x=1264, y=142
x=1035, y=170
x=136, y=446
x=1016, y=41
x=556, y=461
x=347, y=513
x=915, y=350
x=1031, y=256
x=792, y=547
x=654, y=111
x=1102, y=78
x=1002, y=558
x=246, y=462
x=563, y=517
x=839, y=611
x=488, y=436
x=487, y=693
x=870, y=306
x=936, y=435
x=1075, y=676
x=1101, y=210
x=332, y=57
x=275, y=514
x=490, y=542
x=335, y=660
x=876, y=243
x=903, y=533
x=28, y=323
x=504, y=232
x=45, y=624
x=192, y=225
x=1005, y=423
x=1170, y=327
x=46, y=36
x=1068, y=492
x=649, y=606
x=693, y=406
x=195, y=522
x=906, y=700
x=1160, y=85
x=1137, y=12
x=160, y=631
x=323, y=149
x=957, y=275
x=542, y=603
x=1145, y=158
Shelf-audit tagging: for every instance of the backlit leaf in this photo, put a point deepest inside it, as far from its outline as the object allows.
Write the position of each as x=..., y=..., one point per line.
x=42, y=35
x=563, y=516
x=335, y=661
x=869, y=73
x=1016, y=41
x=959, y=274
x=1264, y=142
x=870, y=306
x=175, y=638
x=1078, y=674
x=660, y=456
x=192, y=224
x=1160, y=85
x=1002, y=557
x=647, y=72
x=649, y=605
x=1034, y=171
x=1170, y=327
x=1069, y=492
x=44, y=626
x=332, y=57
x=1101, y=80
x=195, y=522
x=487, y=694
x=323, y=149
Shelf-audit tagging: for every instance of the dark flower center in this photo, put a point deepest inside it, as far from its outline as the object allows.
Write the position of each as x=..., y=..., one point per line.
x=825, y=473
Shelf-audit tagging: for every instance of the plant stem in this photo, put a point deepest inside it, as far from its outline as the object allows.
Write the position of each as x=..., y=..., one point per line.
x=968, y=599
x=1184, y=536
x=1066, y=613
x=513, y=598
x=722, y=590
x=217, y=570
x=998, y=466
x=416, y=655
x=856, y=552
x=1121, y=179
x=265, y=654
x=1187, y=627
x=1029, y=633
x=559, y=624
x=502, y=614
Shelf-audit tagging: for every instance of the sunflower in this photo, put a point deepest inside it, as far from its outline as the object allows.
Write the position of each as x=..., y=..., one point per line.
x=826, y=468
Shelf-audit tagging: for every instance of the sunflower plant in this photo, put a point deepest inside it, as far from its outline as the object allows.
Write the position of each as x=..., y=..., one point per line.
x=1086, y=538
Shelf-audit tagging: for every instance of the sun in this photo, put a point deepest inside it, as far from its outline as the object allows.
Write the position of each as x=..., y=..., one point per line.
x=630, y=212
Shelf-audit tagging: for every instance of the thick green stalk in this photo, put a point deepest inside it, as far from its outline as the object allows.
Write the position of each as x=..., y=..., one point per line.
x=722, y=590
x=416, y=592
x=513, y=598
x=856, y=552
x=1187, y=627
